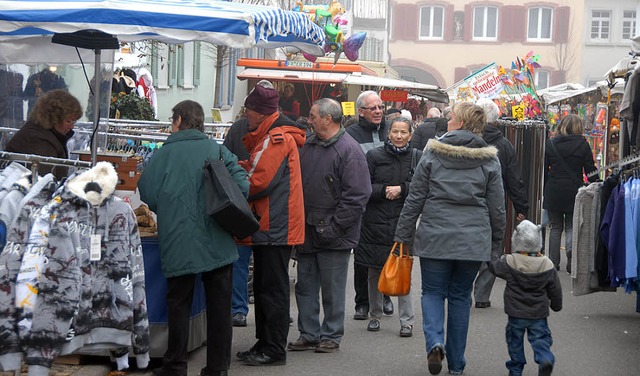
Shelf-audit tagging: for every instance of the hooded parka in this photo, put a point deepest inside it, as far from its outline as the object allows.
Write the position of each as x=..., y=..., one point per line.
x=457, y=188
x=173, y=186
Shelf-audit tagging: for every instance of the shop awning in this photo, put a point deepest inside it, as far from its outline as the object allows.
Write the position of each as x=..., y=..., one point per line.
x=564, y=91
x=292, y=76
x=430, y=92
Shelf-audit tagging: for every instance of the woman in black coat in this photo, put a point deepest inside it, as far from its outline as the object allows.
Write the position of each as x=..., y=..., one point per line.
x=567, y=156
x=391, y=168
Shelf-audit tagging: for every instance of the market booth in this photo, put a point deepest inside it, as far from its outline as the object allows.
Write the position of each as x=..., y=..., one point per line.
x=85, y=35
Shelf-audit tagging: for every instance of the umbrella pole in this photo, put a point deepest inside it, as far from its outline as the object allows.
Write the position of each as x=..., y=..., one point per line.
x=96, y=107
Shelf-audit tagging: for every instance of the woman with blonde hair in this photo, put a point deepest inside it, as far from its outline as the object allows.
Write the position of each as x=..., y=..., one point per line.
x=567, y=156
x=457, y=189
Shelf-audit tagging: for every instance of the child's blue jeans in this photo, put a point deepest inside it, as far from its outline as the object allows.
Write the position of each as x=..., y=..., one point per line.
x=539, y=337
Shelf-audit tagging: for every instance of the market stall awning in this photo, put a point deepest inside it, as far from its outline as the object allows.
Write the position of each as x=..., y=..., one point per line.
x=173, y=21
x=430, y=92
x=564, y=91
x=292, y=76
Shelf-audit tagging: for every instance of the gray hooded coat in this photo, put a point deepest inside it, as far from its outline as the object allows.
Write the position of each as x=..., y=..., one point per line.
x=457, y=188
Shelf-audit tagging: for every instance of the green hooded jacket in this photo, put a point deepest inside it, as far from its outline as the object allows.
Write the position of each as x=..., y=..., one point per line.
x=172, y=185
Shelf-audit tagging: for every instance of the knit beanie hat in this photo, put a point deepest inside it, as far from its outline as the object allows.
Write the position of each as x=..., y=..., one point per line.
x=262, y=100
x=527, y=238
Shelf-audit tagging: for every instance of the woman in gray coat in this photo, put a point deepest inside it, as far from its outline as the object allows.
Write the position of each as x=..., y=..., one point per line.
x=457, y=188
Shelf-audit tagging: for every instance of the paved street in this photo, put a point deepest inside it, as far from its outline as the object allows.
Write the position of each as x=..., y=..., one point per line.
x=597, y=334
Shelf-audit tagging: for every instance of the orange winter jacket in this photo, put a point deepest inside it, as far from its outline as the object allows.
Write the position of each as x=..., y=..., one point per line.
x=275, y=181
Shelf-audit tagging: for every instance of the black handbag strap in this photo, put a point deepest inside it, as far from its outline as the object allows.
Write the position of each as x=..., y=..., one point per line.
x=414, y=161
x=563, y=163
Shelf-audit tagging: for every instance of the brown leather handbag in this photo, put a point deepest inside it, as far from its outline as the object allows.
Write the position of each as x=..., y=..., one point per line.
x=395, y=278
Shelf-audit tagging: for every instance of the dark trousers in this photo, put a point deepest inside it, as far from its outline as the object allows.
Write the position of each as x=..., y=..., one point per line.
x=271, y=298
x=361, y=285
x=217, y=286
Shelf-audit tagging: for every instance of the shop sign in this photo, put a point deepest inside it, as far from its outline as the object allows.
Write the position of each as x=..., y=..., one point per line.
x=394, y=95
x=349, y=108
x=485, y=83
x=299, y=64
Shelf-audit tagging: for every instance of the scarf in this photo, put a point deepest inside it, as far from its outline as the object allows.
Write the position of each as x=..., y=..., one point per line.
x=396, y=150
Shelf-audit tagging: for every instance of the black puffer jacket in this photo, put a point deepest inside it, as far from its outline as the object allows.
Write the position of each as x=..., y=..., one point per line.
x=424, y=132
x=386, y=168
x=560, y=185
x=511, y=178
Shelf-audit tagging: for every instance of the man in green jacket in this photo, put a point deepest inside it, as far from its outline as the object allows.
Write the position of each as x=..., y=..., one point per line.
x=191, y=242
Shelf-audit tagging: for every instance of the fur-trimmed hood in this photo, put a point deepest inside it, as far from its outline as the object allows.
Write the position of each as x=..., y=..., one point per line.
x=461, y=149
x=94, y=185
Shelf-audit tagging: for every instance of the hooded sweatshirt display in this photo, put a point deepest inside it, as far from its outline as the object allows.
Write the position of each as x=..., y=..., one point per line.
x=89, y=290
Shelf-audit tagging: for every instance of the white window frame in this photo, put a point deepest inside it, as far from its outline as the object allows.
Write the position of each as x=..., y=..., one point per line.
x=629, y=24
x=540, y=13
x=542, y=75
x=485, y=25
x=600, y=21
x=430, y=33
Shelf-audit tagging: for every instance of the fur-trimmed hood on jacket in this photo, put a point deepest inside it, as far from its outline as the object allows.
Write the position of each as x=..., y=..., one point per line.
x=461, y=149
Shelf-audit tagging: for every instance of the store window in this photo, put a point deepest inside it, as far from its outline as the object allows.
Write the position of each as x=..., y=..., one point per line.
x=431, y=22
x=540, y=21
x=541, y=79
x=628, y=24
x=485, y=23
x=600, y=25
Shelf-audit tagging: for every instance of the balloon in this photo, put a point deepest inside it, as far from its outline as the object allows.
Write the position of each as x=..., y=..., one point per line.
x=353, y=44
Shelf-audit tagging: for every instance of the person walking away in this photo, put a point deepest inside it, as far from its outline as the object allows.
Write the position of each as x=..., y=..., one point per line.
x=240, y=296
x=427, y=130
x=370, y=132
x=513, y=187
x=391, y=168
x=566, y=157
x=532, y=286
x=336, y=190
x=275, y=196
x=191, y=241
x=457, y=193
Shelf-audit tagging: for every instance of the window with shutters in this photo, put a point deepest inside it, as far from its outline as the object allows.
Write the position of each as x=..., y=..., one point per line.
x=228, y=73
x=431, y=22
x=540, y=24
x=485, y=23
x=371, y=50
x=186, y=63
x=600, y=25
x=160, y=67
x=628, y=24
x=541, y=79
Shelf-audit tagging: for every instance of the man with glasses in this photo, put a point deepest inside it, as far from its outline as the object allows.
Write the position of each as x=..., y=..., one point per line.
x=370, y=132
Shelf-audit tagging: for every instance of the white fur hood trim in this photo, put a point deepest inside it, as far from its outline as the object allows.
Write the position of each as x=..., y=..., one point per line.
x=455, y=151
x=103, y=174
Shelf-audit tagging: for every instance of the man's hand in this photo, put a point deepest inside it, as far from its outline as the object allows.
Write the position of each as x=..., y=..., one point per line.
x=393, y=192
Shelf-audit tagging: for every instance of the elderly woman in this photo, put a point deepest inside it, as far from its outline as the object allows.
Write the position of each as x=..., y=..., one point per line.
x=191, y=241
x=48, y=128
x=391, y=167
x=566, y=157
x=457, y=188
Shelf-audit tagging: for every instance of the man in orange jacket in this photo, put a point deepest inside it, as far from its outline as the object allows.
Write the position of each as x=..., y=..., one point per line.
x=275, y=195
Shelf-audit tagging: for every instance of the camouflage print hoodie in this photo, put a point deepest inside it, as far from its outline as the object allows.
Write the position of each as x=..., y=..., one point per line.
x=101, y=298
x=10, y=260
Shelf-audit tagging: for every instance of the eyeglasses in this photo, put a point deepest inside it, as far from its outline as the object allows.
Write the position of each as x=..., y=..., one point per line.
x=373, y=108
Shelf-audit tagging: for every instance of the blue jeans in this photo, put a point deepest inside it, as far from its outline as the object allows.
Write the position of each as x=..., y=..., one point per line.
x=451, y=280
x=240, y=296
x=539, y=337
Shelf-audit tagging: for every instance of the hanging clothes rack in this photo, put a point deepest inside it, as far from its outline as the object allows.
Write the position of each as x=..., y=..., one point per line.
x=36, y=160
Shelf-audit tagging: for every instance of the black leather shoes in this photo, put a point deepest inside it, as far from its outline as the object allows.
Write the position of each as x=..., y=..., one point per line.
x=263, y=360
x=374, y=325
x=483, y=304
x=242, y=355
x=387, y=306
x=206, y=372
x=239, y=319
x=362, y=313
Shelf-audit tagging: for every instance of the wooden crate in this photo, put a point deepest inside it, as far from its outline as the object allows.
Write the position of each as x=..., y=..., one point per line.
x=126, y=166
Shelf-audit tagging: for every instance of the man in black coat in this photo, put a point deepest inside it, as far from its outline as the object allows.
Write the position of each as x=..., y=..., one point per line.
x=513, y=186
x=426, y=130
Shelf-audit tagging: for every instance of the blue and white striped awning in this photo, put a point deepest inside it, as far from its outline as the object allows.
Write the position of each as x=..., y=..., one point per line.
x=173, y=21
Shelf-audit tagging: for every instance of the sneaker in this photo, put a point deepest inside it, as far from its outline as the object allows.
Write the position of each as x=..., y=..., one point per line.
x=327, y=346
x=434, y=360
x=374, y=325
x=239, y=319
x=302, y=344
x=545, y=369
x=406, y=331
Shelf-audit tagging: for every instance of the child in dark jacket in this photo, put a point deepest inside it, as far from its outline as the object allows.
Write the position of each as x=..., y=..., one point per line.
x=532, y=286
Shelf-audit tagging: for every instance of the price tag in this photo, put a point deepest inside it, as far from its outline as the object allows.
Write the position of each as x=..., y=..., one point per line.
x=95, y=253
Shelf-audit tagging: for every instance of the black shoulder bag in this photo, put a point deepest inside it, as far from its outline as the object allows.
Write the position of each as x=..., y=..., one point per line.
x=225, y=202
